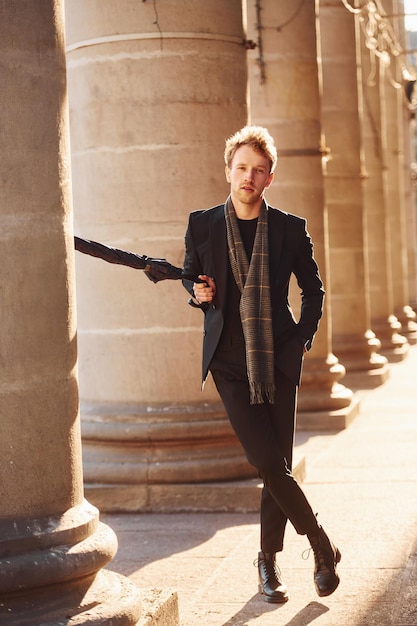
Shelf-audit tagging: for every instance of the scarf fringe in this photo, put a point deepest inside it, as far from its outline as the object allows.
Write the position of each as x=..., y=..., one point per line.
x=261, y=392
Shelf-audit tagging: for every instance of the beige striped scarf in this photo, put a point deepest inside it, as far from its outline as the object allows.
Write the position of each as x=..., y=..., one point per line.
x=255, y=303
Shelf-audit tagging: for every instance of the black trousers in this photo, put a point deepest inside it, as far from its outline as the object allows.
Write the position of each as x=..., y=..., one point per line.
x=266, y=433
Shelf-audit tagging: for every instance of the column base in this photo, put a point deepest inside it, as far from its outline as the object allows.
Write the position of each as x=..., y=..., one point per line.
x=324, y=403
x=320, y=389
x=408, y=320
x=107, y=598
x=241, y=496
x=159, y=444
x=328, y=420
x=359, y=355
x=396, y=354
x=51, y=572
x=159, y=608
x=394, y=346
x=369, y=379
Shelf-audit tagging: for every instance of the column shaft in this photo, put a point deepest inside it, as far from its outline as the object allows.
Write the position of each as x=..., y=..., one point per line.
x=285, y=97
x=384, y=323
x=409, y=125
x=152, y=99
x=353, y=340
x=397, y=218
x=52, y=545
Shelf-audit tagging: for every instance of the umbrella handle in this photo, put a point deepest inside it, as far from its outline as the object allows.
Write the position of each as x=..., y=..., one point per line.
x=193, y=278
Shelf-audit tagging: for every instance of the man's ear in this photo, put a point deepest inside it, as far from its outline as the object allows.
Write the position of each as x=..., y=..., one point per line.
x=227, y=172
x=269, y=181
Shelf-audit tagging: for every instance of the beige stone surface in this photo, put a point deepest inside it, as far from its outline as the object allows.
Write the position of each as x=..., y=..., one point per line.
x=38, y=328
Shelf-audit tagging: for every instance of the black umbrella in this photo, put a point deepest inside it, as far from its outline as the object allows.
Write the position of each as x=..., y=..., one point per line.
x=155, y=269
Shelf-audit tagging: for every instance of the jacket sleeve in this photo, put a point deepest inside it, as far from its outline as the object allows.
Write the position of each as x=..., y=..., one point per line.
x=192, y=263
x=312, y=292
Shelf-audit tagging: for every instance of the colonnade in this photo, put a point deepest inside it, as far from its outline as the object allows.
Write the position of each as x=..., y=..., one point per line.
x=153, y=93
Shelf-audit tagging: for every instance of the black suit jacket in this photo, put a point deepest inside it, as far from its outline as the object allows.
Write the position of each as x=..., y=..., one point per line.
x=290, y=252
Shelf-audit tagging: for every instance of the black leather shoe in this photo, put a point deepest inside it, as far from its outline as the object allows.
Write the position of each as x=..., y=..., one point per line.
x=326, y=557
x=269, y=577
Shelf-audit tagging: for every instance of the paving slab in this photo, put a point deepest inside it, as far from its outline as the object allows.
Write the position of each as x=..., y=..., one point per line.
x=362, y=481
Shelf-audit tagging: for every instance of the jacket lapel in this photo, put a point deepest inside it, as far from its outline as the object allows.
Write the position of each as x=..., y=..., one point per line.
x=219, y=253
x=276, y=237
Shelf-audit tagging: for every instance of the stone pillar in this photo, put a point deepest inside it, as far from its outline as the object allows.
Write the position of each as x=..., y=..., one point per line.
x=52, y=544
x=152, y=98
x=383, y=321
x=397, y=219
x=409, y=79
x=409, y=85
x=353, y=340
x=285, y=97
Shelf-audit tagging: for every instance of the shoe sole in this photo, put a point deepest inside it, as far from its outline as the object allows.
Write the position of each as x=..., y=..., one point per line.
x=283, y=598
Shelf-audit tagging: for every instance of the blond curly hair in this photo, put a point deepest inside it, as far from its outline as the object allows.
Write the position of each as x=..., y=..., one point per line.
x=258, y=138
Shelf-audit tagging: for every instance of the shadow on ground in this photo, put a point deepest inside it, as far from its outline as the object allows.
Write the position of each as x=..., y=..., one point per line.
x=144, y=538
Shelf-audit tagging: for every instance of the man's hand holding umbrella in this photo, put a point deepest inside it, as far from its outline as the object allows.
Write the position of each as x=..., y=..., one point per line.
x=155, y=269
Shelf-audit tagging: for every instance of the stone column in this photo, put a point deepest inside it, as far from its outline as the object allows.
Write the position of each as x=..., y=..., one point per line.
x=285, y=97
x=52, y=544
x=154, y=92
x=397, y=218
x=409, y=79
x=409, y=86
x=353, y=340
x=383, y=321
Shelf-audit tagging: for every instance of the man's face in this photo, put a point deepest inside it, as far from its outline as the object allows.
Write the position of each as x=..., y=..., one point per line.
x=248, y=175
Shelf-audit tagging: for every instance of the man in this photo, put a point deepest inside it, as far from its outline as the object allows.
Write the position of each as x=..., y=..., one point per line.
x=244, y=252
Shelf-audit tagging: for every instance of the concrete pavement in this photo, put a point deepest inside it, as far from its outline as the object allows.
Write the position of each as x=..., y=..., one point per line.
x=362, y=481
